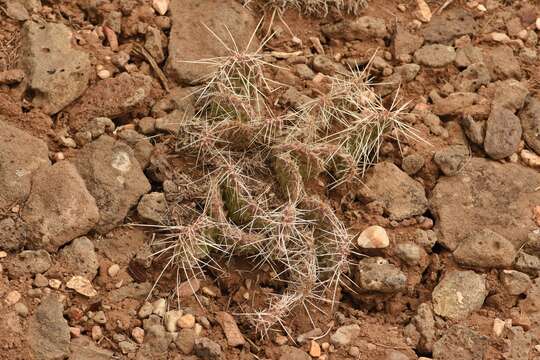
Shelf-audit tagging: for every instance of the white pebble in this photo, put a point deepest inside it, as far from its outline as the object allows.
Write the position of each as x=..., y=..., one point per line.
x=13, y=297
x=3, y=254
x=499, y=37
x=55, y=283
x=498, y=327
x=374, y=237
x=538, y=24
x=113, y=270
x=481, y=8
x=161, y=6
x=104, y=74
x=159, y=307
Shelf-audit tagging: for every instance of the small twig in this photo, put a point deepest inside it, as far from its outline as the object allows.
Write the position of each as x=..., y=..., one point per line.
x=443, y=6
x=141, y=51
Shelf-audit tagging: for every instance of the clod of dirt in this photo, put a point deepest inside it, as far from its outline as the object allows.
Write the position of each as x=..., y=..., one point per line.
x=465, y=202
x=459, y=294
x=20, y=155
x=114, y=177
x=58, y=74
x=401, y=196
x=59, y=207
x=198, y=30
x=48, y=331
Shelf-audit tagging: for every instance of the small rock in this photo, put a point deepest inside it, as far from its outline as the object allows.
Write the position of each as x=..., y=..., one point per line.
x=104, y=74
x=12, y=297
x=21, y=309
x=405, y=43
x=411, y=253
x=451, y=159
x=185, y=341
x=510, y=94
x=402, y=197
x=113, y=270
x=186, y=321
x=475, y=130
x=145, y=310
x=460, y=342
x=515, y=282
x=127, y=347
x=530, y=158
x=377, y=274
x=455, y=103
x=472, y=78
x=29, y=262
x=498, y=327
x=97, y=333
x=170, y=319
x=435, y=55
x=40, y=281
x=80, y=258
x=159, y=307
x=358, y=29
x=411, y=164
x=530, y=121
x=55, y=284
x=48, y=332
x=499, y=37
x=161, y=6
x=459, y=294
x=485, y=249
x=374, y=237
x=153, y=207
x=81, y=285
x=188, y=287
x=230, y=328
x=424, y=12
x=207, y=349
x=503, y=133
x=138, y=335
x=100, y=317
x=345, y=334
x=450, y=24
x=147, y=125
x=527, y=263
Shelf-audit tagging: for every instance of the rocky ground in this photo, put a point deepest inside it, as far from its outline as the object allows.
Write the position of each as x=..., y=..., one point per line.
x=445, y=227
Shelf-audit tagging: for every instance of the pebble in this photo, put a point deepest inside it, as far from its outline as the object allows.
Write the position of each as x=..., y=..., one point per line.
x=345, y=334
x=374, y=237
x=145, y=310
x=97, y=333
x=424, y=12
x=127, y=347
x=538, y=24
x=186, y=321
x=100, y=317
x=315, y=349
x=113, y=270
x=161, y=6
x=40, y=281
x=188, y=287
x=530, y=158
x=138, y=335
x=21, y=309
x=104, y=74
x=55, y=283
x=498, y=327
x=13, y=297
x=171, y=318
x=159, y=307
x=230, y=328
x=198, y=329
x=3, y=254
x=281, y=340
x=74, y=331
x=499, y=37
x=81, y=285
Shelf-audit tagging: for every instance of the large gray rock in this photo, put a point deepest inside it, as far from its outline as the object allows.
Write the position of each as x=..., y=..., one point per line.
x=485, y=194
x=448, y=25
x=503, y=133
x=460, y=342
x=530, y=122
x=21, y=155
x=57, y=72
x=114, y=177
x=48, y=331
x=191, y=40
x=485, y=249
x=59, y=207
x=459, y=294
x=402, y=197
